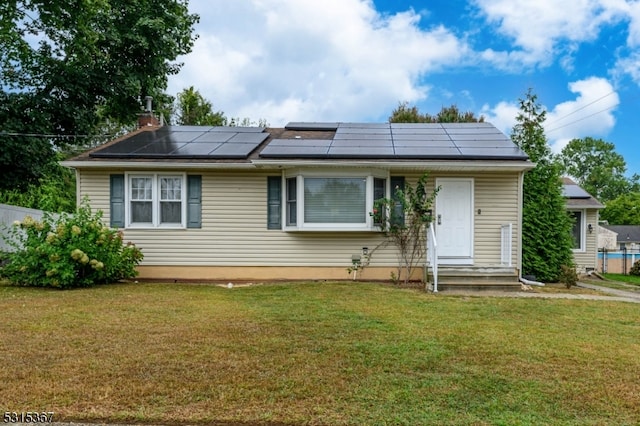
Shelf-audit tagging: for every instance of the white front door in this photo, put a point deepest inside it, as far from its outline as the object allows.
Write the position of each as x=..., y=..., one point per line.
x=454, y=220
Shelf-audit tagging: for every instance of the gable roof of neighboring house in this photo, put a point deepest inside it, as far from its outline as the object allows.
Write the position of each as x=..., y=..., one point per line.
x=576, y=197
x=326, y=142
x=628, y=233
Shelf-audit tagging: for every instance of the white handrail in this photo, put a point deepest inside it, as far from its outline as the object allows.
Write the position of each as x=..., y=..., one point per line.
x=432, y=255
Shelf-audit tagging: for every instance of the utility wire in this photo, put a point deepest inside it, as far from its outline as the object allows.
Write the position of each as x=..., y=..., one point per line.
x=580, y=119
x=48, y=136
x=583, y=107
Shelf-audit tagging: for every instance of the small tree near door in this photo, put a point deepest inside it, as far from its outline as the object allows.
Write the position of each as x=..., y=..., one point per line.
x=404, y=219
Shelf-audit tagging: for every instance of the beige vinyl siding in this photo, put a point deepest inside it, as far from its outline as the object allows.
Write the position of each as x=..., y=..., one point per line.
x=496, y=196
x=234, y=230
x=588, y=258
x=234, y=225
x=496, y=204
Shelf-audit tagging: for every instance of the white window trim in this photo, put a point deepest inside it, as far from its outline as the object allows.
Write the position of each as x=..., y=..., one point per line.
x=300, y=175
x=155, y=197
x=583, y=231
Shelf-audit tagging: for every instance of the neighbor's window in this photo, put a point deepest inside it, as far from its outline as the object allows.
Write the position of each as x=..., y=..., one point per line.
x=577, y=230
x=156, y=200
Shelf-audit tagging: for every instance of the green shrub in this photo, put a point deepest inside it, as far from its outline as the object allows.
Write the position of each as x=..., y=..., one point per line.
x=73, y=251
x=635, y=269
x=568, y=275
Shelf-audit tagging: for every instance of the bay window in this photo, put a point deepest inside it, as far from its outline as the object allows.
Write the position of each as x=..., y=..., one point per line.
x=332, y=201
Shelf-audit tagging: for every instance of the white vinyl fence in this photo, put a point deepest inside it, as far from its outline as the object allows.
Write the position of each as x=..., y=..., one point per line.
x=9, y=214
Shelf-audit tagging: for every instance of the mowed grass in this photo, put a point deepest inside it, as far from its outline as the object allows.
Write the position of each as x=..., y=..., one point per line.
x=630, y=279
x=316, y=353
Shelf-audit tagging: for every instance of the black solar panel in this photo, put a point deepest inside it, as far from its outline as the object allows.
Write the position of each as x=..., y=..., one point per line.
x=187, y=142
x=399, y=141
x=418, y=141
x=574, y=191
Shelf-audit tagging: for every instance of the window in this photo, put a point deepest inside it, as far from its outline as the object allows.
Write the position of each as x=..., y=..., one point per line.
x=170, y=200
x=156, y=201
x=578, y=229
x=292, y=205
x=335, y=200
x=327, y=201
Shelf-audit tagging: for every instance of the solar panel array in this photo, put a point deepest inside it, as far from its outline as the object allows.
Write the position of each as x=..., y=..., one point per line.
x=398, y=141
x=221, y=142
x=574, y=191
x=454, y=141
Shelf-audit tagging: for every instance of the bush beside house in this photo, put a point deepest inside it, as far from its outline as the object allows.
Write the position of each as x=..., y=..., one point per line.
x=71, y=251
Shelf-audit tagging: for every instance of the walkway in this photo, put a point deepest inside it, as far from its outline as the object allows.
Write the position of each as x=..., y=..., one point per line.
x=609, y=294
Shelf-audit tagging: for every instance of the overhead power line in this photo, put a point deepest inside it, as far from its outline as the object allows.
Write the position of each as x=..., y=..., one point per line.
x=583, y=107
x=580, y=119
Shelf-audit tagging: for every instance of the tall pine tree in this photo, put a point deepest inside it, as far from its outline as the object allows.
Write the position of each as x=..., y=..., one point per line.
x=546, y=226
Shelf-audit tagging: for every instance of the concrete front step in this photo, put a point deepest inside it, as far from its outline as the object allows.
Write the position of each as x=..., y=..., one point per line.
x=474, y=278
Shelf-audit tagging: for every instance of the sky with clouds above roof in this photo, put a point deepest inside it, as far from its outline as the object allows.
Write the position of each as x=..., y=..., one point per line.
x=356, y=60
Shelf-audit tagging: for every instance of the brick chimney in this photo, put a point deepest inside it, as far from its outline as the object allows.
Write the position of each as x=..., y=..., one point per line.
x=147, y=118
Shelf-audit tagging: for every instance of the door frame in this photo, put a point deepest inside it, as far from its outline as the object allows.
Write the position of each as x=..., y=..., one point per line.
x=459, y=260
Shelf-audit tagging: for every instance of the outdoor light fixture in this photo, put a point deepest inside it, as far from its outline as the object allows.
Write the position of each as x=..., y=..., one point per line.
x=590, y=228
x=365, y=251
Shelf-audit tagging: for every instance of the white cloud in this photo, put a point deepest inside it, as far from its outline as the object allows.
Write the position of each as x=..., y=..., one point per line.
x=503, y=115
x=589, y=114
x=538, y=27
x=295, y=60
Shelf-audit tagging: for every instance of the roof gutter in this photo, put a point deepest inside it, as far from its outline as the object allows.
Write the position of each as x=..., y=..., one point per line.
x=137, y=165
x=409, y=165
x=462, y=165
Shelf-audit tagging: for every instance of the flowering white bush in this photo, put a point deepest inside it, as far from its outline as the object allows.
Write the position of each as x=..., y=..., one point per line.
x=74, y=251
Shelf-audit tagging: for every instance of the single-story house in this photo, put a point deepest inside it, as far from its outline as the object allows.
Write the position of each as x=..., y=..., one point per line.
x=619, y=255
x=627, y=236
x=607, y=239
x=294, y=203
x=584, y=209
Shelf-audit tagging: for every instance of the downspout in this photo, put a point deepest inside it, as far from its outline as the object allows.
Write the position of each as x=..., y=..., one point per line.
x=520, y=202
x=78, y=198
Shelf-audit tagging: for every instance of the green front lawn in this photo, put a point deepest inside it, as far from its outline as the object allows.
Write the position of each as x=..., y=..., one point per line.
x=630, y=279
x=316, y=353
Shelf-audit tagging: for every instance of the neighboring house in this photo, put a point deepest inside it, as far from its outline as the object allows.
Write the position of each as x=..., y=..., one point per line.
x=619, y=256
x=627, y=236
x=585, y=211
x=10, y=214
x=248, y=203
x=607, y=239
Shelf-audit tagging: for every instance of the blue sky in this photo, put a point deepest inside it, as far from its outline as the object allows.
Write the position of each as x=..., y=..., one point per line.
x=355, y=60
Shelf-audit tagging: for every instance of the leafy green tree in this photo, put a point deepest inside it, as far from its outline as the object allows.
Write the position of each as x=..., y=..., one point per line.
x=596, y=167
x=546, y=226
x=623, y=210
x=54, y=192
x=61, y=61
x=410, y=114
x=193, y=109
